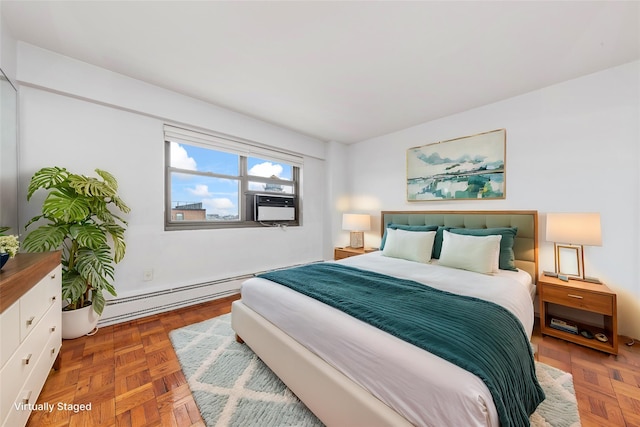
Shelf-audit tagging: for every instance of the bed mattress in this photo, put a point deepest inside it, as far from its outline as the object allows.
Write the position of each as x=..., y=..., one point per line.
x=422, y=387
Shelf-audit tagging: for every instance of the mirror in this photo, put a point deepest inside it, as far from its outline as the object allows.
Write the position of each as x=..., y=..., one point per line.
x=8, y=155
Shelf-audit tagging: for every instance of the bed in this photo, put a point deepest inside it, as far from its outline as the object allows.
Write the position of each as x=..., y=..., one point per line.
x=350, y=373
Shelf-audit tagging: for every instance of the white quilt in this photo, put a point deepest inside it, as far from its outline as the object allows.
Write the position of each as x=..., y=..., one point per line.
x=425, y=389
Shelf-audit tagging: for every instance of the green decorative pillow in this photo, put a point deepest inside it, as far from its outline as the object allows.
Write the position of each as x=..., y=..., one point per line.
x=405, y=228
x=507, y=256
x=437, y=244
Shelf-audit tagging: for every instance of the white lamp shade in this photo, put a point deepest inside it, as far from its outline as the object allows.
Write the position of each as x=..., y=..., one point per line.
x=574, y=228
x=356, y=222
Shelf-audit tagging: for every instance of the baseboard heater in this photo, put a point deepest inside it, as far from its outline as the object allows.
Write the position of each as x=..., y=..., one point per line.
x=134, y=307
x=130, y=308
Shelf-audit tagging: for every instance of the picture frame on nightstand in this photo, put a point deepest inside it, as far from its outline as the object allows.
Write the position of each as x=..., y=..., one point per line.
x=569, y=261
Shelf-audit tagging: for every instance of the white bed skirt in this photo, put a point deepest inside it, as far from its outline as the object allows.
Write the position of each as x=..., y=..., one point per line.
x=330, y=395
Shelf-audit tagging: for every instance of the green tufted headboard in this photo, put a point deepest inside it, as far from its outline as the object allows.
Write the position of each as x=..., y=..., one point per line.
x=526, y=241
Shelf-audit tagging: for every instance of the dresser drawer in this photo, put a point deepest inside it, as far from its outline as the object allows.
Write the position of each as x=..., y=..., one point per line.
x=578, y=298
x=37, y=301
x=25, y=360
x=23, y=401
x=9, y=332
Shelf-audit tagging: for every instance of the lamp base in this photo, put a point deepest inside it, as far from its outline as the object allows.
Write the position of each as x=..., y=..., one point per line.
x=356, y=239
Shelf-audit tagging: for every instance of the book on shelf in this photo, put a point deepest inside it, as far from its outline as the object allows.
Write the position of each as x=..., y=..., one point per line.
x=563, y=325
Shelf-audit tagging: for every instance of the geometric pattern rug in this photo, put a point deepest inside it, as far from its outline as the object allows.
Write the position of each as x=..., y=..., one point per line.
x=233, y=387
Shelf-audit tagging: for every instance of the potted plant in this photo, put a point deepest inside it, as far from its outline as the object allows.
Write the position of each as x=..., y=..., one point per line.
x=81, y=224
x=9, y=246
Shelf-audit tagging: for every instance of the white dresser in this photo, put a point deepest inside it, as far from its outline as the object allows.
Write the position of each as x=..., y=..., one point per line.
x=30, y=323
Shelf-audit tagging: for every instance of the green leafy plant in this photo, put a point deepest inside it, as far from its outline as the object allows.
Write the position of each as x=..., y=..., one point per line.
x=80, y=223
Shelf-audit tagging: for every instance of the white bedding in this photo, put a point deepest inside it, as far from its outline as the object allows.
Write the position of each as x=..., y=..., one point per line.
x=424, y=388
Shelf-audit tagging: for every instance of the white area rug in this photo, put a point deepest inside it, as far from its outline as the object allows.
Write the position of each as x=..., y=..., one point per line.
x=232, y=387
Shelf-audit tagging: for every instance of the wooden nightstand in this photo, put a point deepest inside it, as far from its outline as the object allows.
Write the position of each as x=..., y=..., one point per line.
x=347, y=251
x=584, y=296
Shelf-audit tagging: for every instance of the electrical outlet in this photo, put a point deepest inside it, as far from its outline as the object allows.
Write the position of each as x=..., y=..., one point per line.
x=147, y=276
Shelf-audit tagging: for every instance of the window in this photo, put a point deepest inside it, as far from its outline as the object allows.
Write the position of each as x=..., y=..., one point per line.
x=211, y=181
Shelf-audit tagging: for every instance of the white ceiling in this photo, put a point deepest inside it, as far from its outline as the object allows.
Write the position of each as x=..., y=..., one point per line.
x=341, y=71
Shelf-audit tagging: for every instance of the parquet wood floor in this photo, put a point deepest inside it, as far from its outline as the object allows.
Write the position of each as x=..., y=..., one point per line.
x=130, y=375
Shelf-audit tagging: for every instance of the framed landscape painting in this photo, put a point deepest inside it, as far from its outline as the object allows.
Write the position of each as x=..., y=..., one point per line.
x=471, y=167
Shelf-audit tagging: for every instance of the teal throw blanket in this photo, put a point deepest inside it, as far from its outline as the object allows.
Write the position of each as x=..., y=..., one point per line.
x=479, y=336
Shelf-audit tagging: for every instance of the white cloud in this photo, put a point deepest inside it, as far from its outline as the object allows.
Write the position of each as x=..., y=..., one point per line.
x=266, y=169
x=200, y=190
x=220, y=206
x=219, y=203
x=180, y=158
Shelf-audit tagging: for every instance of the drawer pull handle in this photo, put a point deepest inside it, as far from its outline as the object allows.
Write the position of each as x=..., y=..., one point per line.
x=53, y=350
x=53, y=329
x=53, y=276
x=27, y=359
x=53, y=298
x=30, y=320
x=575, y=296
x=26, y=399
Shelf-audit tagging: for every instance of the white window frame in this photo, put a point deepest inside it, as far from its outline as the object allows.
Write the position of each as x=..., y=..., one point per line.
x=244, y=149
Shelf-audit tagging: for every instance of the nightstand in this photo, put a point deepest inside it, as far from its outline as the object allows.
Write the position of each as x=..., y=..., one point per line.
x=583, y=296
x=347, y=251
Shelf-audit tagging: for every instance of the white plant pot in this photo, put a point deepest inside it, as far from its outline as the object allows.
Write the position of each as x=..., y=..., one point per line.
x=77, y=323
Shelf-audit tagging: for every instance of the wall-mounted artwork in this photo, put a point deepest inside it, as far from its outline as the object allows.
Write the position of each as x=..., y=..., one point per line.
x=471, y=167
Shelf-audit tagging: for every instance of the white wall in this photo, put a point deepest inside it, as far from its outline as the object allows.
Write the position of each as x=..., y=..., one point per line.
x=8, y=130
x=337, y=198
x=8, y=46
x=571, y=147
x=81, y=117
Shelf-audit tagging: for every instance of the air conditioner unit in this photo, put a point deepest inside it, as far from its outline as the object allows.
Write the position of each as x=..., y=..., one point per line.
x=274, y=208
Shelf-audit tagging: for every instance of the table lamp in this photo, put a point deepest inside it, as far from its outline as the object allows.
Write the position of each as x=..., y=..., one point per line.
x=569, y=232
x=357, y=224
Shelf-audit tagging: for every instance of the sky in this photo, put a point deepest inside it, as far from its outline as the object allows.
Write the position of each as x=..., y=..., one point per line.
x=217, y=195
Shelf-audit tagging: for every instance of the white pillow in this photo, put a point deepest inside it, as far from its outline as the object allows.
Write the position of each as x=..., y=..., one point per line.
x=409, y=245
x=473, y=253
